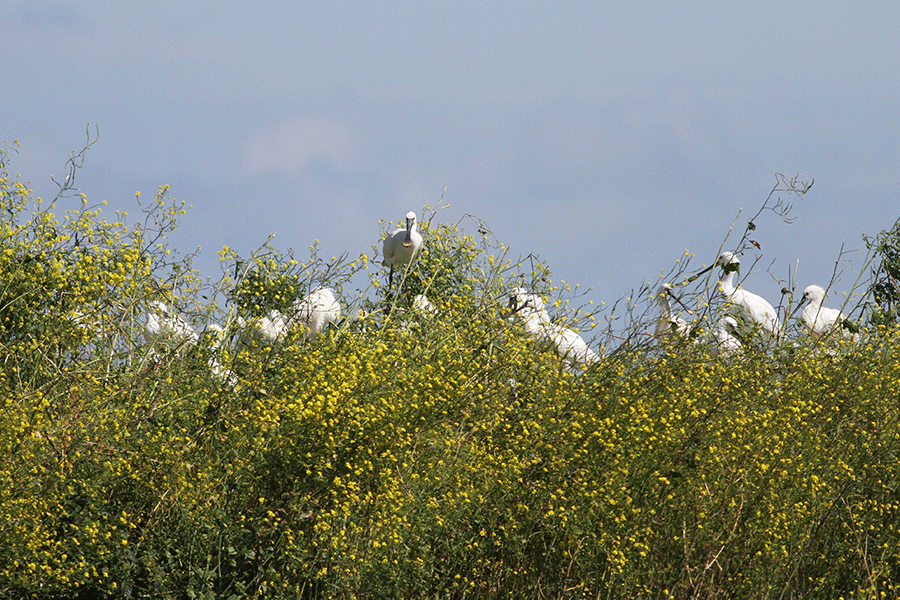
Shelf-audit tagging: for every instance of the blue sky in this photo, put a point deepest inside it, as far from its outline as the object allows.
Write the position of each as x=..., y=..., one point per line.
x=606, y=137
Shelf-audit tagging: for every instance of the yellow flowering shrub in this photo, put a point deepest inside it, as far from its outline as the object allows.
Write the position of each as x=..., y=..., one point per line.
x=407, y=453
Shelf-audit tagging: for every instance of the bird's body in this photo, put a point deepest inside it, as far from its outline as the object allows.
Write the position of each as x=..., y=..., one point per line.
x=570, y=347
x=423, y=305
x=670, y=326
x=268, y=329
x=316, y=311
x=749, y=309
x=820, y=319
x=273, y=325
x=726, y=342
x=422, y=310
x=166, y=328
x=402, y=247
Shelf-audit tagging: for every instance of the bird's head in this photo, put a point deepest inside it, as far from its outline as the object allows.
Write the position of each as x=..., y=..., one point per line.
x=729, y=262
x=520, y=301
x=813, y=293
x=728, y=324
x=158, y=307
x=667, y=290
x=517, y=299
x=664, y=290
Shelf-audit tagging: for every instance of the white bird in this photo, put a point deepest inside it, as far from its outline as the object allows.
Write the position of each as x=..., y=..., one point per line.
x=526, y=304
x=820, y=319
x=751, y=310
x=670, y=326
x=402, y=247
x=726, y=342
x=421, y=307
x=316, y=311
x=422, y=304
x=165, y=327
x=89, y=326
x=570, y=347
x=268, y=329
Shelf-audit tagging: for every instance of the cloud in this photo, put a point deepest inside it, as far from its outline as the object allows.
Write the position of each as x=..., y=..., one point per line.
x=293, y=146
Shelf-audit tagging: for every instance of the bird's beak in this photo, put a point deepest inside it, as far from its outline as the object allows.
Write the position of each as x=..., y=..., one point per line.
x=678, y=300
x=515, y=307
x=407, y=240
x=799, y=306
x=697, y=276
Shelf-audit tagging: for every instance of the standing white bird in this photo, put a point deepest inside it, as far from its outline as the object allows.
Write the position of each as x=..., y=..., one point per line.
x=670, y=326
x=402, y=247
x=316, y=311
x=751, y=310
x=820, y=319
x=570, y=347
x=726, y=342
x=166, y=328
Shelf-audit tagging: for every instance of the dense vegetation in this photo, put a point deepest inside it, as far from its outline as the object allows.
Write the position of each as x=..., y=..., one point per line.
x=404, y=454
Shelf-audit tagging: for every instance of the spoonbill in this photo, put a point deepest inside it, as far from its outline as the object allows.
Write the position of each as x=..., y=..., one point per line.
x=750, y=309
x=316, y=311
x=820, y=319
x=165, y=327
x=422, y=304
x=570, y=347
x=422, y=308
x=402, y=247
x=727, y=343
x=670, y=326
x=269, y=328
x=520, y=301
x=89, y=325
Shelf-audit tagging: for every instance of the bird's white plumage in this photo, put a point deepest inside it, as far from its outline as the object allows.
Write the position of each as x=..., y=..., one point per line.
x=726, y=342
x=267, y=329
x=404, y=245
x=670, y=326
x=821, y=319
x=165, y=327
x=316, y=311
x=570, y=347
x=749, y=309
x=526, y=304
x=423, y=305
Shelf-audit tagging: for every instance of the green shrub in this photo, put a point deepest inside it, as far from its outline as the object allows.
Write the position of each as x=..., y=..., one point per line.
x=405, y=454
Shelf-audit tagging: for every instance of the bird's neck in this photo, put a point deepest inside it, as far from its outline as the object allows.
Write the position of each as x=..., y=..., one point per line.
x=665, y=308
x=811, y=311
x=727, y=283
